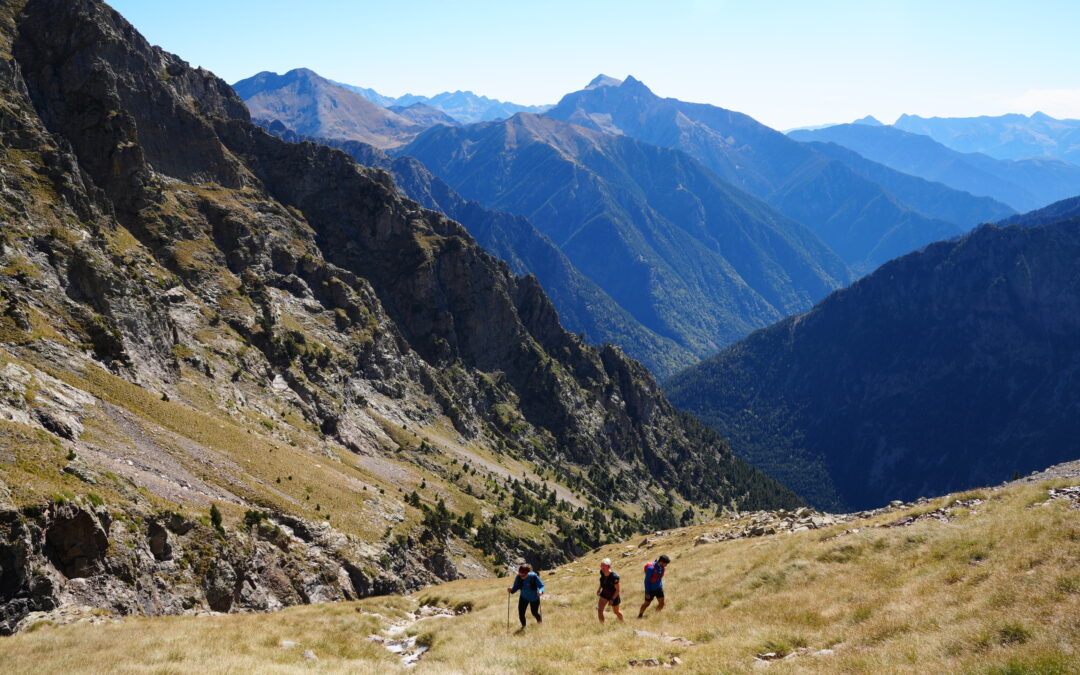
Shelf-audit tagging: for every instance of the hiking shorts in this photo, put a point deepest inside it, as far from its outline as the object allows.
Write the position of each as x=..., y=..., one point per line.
x=614, y=603
x=658, y=593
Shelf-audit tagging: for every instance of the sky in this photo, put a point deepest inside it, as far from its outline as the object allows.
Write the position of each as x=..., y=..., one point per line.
x=787, y=63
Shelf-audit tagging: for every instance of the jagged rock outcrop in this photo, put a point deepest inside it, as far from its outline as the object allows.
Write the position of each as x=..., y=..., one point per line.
x=77, y=554
x=583, y=307
x=239, y=373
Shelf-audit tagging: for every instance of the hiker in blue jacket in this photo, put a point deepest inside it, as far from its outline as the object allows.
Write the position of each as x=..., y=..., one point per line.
x=531, y=589
x=654, y=584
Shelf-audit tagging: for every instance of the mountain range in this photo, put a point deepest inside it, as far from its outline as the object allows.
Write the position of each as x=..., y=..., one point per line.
x=1024, y=184
x=312, y=105
x=920, y=194
x=583, y=306
x=294, y=342
x=865, y=212
x=860, y=220
x=1011, y=136
x=463, y=106
x=241, y=373
x=949, y=368
x=691, y=257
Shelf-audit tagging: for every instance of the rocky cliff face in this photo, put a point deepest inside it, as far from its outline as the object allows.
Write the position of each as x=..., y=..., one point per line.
x=583, y=307
x=242, y=373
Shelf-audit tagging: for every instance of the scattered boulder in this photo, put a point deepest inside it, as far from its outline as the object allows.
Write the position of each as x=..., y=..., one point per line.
x=645, y=663
x=1068, y=494
x=220, y=586
x=309, y=655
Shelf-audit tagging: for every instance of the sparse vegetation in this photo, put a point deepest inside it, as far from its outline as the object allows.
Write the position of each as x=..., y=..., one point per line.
x=888, y=609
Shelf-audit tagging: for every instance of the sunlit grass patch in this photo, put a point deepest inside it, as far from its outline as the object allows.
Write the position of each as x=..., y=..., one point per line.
x=993, y=592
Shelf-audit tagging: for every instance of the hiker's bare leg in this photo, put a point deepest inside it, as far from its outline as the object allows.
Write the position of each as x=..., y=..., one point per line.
x=618, y=612
x=644, y=606
x=659, y=604
x=600, y=609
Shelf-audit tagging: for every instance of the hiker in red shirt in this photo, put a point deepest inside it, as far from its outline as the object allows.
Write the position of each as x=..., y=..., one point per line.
x=654, y=584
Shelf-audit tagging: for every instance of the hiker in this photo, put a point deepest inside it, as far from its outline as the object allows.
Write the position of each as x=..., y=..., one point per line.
x=608, y=591
x=654, y=584
x=531, y=589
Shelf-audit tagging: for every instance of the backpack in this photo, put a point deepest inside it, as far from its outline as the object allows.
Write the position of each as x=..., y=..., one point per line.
x=654, y=574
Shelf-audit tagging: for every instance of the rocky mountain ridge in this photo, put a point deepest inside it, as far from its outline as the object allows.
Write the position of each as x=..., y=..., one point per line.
x=689, y=256
x=258, y=356
x=857, y=218
x=463, y=106
x=584, y=308
x=314, y=105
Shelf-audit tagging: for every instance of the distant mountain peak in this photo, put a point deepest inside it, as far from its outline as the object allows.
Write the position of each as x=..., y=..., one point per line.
x=602, y=80
x=869, y=121
x=632, y=82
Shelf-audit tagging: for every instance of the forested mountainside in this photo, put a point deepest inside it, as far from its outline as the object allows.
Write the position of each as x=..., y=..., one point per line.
x=1064, y=210
x=860, y=220
x=243, y=373
x=926, y=197
x=689, y=256
x=952, y=367
x=583, y=306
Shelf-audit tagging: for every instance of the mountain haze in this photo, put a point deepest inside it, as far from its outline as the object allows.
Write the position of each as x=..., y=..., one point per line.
x=1003, y=137
x=1022, y=184
x=464, y=106
x=926, y=197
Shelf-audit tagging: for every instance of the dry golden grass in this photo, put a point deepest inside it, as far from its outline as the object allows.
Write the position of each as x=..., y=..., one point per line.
x=997, y=590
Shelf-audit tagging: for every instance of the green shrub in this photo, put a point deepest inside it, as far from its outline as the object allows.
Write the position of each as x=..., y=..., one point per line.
x=215, y=519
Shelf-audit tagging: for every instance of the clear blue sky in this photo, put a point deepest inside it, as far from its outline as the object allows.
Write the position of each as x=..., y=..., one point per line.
x=786, y=62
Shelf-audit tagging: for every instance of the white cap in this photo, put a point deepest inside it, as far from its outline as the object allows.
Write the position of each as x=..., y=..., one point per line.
x=606, y=561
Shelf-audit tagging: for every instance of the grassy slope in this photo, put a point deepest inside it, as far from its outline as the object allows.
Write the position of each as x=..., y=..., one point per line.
x=996, y=590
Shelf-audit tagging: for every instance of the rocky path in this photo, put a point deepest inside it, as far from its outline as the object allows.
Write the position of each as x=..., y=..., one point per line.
x=395, y=638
